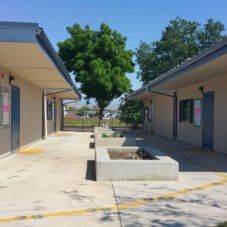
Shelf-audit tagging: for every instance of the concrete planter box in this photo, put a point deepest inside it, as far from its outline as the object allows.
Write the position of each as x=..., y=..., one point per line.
x=101, y=129
x=98, y=134
x=162, y=169
x=112, y=141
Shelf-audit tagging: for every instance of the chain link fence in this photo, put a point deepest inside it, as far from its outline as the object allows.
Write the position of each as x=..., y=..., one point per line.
x=75, y=120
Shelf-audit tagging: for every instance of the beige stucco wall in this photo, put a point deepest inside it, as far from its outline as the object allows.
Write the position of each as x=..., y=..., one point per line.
x=30, y=111
x=163, y=115
x=188, y=132
x=50, y=123
x=5, y=132
x=219, y=86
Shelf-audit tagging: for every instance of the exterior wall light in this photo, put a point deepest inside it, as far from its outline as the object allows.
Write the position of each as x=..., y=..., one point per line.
x=201, y=89
x=11, y=79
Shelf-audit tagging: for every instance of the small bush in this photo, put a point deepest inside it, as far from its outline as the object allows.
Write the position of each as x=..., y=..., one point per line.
x=112, y=135
x=224, y=224
x=104, y=135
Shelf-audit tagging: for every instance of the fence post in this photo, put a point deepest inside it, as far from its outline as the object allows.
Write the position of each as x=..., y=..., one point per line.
x=82, y=123
x=112, y=119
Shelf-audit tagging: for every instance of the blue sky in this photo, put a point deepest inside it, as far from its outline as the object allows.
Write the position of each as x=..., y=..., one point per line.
x=136, y=19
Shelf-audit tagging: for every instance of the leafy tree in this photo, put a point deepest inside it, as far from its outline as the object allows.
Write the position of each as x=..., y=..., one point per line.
x=99, y=60
x=180, y=40
x=131, y=112
x=71, y=108
x=82, y=110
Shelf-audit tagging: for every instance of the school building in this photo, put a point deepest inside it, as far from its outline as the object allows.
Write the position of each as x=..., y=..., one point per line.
x=189, y=103
x=33, y=84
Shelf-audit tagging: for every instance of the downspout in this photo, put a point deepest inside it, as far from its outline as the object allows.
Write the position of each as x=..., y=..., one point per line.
x=175, y=115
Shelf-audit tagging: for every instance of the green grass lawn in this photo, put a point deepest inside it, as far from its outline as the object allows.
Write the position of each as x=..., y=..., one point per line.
x=93, y=121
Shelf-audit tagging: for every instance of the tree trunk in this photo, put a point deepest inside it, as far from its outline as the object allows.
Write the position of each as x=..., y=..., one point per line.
x=100, y=114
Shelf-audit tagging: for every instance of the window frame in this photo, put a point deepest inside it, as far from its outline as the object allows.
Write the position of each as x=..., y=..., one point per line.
x=201, y=112
x=190, y=111
x=5, y=90
x=49, y=110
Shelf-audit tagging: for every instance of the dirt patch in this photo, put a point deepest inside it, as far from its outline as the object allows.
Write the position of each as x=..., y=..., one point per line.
x=139, y=154
x=112, y=135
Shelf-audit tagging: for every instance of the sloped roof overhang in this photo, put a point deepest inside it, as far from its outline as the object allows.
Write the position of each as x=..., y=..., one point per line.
x=207, y=65
x=26, y=51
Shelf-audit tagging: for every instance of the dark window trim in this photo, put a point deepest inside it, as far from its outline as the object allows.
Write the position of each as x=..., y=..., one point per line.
x=191, y=111
x=49, y=111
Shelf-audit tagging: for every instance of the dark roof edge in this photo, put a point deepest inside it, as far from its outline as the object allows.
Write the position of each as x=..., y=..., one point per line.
x=36, y=34
x=18, y=25
x=44, y=41
x=188, y=62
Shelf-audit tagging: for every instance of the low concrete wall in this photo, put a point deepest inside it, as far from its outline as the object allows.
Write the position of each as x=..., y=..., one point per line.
x=98, y=129
x=163, y=169
x=98, y=134
x=114, y=142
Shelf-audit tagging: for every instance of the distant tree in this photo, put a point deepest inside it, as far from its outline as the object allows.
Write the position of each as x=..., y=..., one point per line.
x=180, y=40
x=131, y=112
x=71, y=108
x=95, y=107
x=99, y=60
x=82, y=110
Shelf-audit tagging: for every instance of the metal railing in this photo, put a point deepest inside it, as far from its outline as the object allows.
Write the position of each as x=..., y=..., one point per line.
x=76, y=120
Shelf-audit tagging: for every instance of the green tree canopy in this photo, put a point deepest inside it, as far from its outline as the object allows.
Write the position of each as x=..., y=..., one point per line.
x=131, y=112
x=180, y=40
x=99, y=60
x=82, y=110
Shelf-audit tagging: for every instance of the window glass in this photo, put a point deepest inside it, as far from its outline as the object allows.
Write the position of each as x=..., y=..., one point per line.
x=198, y=112
x=5, y=100
x=49, y=111
x=186, y=110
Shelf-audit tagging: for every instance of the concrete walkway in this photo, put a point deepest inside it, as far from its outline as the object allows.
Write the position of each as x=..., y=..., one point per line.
x=53, y=184
x=58, y=180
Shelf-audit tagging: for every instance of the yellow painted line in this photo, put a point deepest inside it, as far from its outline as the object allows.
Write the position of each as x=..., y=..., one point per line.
x=112, y=208
x=62, y=134
x=31, y=151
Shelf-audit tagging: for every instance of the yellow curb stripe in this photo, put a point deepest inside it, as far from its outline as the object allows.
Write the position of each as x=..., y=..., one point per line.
x=111, y=208
x=31, y=151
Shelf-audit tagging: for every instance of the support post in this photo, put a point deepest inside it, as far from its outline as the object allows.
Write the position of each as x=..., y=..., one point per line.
x=175, y=115
x=45, y=113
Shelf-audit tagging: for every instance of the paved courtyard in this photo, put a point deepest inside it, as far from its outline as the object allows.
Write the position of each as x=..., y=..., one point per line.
x=53, y=184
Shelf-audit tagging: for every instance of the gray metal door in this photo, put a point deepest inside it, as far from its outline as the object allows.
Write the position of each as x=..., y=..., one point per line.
x=15, y=118
x=208, y=120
